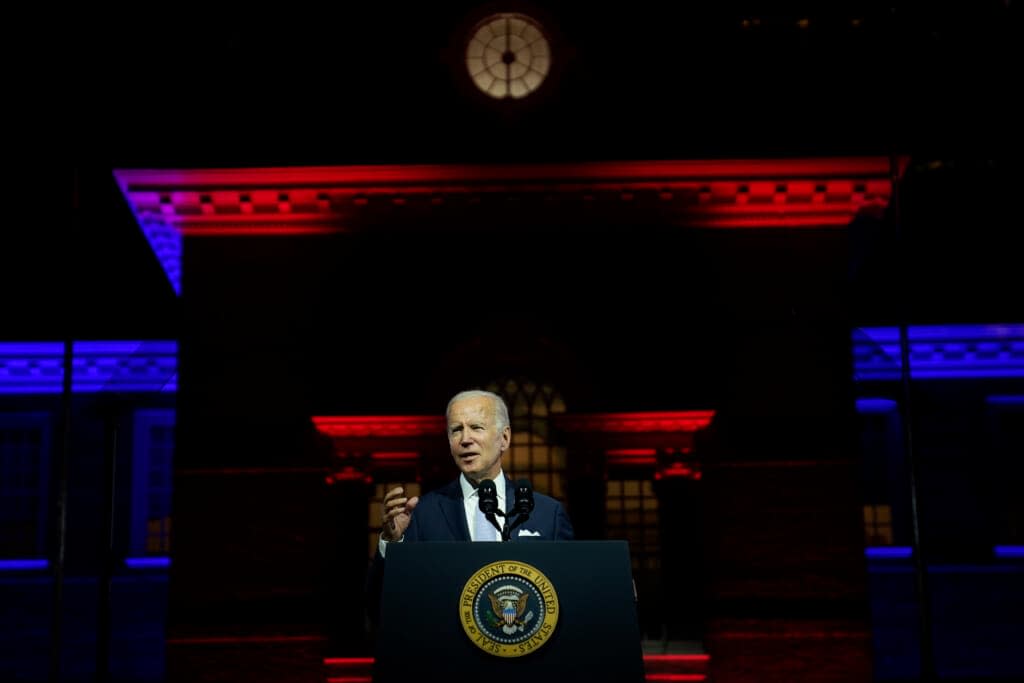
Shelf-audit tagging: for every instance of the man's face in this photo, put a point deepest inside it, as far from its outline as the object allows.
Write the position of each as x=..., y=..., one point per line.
x=474, y=439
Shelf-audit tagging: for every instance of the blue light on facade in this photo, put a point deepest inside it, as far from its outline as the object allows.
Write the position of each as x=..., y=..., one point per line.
x=165, y=240
x=876, y=405
x=97, y=366
x=940, y=352
x=157, y=562
x=23, y=565
x=896, y=552
x=1005, y=400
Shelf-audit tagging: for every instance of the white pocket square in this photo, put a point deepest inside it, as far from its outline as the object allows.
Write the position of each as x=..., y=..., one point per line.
x=527, y=532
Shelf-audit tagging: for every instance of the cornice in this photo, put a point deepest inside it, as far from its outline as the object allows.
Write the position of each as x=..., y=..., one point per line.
x=170, y=204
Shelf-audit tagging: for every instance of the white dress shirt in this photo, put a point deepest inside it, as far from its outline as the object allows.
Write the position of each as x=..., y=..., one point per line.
x=471, y=501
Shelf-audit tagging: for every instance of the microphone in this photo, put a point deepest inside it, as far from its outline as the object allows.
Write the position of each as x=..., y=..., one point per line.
x=488, y=494
x=524, y=497
x=522, y=507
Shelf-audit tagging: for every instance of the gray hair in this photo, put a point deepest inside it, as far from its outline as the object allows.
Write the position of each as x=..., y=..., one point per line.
x=500, y=409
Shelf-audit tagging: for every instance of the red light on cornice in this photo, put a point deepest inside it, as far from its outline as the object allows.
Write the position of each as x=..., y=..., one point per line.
x=348, y=661
x=788, y=217
x=681, y=470
x=676, y=658
x=702, y=416
x=392, y=456
x=256, y=230
x=226, y=179
x=379, y=425
x=314, y=200
x=348, y=473
x=671, y=421
x=632, y=452
x=632, y=456
x=317, y=199
x=354, y=669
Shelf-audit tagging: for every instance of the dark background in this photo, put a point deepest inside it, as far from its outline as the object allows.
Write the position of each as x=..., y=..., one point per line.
x=632, y=317
x=382, y=83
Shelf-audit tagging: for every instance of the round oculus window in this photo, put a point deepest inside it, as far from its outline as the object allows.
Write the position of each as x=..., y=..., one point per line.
x=508, y=55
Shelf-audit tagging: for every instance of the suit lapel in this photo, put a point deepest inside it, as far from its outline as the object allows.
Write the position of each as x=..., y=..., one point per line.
x=454, y=510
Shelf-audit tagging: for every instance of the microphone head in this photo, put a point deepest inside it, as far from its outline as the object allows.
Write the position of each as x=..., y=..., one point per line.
x=488, y=494
x=524, y=497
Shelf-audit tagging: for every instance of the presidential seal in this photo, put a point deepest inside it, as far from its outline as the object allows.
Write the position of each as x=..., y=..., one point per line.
x=508, y=609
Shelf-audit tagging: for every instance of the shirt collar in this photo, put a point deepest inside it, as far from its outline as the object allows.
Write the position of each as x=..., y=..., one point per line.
x=469, y=492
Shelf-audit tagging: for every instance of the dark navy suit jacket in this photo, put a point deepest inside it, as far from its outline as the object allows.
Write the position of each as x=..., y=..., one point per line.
x=440, y=515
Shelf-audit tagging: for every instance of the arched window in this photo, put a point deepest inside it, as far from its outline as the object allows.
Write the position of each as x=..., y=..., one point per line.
x=532, y=455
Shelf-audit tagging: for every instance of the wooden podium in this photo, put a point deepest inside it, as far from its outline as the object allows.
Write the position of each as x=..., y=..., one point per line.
x=517, y=612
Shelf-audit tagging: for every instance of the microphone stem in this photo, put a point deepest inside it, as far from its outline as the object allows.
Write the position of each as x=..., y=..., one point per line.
x=494, y=520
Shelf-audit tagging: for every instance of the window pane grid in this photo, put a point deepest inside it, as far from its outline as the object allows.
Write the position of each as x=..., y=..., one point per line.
x=878, y=525
x=530, y=455
x=632, y=514
x=152, y=480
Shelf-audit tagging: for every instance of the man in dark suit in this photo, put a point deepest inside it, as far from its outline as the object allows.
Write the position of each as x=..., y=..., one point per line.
x=479, y=433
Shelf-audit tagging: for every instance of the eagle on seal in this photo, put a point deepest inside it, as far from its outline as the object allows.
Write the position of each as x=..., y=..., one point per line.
x=509, y=609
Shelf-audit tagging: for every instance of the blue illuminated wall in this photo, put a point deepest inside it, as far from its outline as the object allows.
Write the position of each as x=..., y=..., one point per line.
x=29, y=368
x=940, y=352
x=968, y=402
x=122, y=408
x=966, y=413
